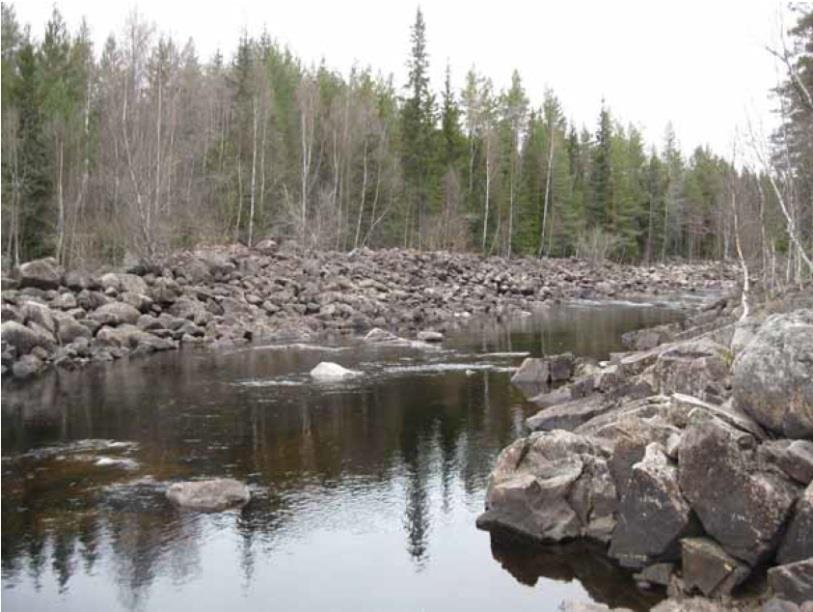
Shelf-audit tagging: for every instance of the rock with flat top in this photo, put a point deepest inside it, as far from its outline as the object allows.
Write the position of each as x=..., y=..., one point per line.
x=209, y=495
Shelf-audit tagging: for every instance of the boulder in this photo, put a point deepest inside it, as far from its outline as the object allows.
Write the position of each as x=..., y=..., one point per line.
x=773, y=375
x=329, y=371
x=41, y=273
x=377, y=335
x=115, y=313
x=793, y=581
x=429, y=335
x=568, y=415
x=552, y=486
x=209, y=495
x=532, y=376
x=710, y=569
x=124, y=283
x=652, y=513
x=26, y=367
x=25, y=339
x=69, y=329
x=698, y=368
x=64, y=301
x=561, y=367
x=128, y=336
x=797, y=543
x=743, y=509
x=165, y=290
x=34, y=312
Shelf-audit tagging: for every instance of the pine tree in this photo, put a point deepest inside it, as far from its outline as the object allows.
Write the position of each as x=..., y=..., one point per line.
x=417, y=125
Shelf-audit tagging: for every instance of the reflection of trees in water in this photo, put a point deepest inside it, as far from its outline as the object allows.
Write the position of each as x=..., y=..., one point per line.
x=440, y=433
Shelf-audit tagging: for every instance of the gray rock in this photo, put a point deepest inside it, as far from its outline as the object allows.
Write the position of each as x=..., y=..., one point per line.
x=698, y=368
x=533, y=370
x=124, y=283
x=561, y=367
x=165, y=290
x=23, y=338
x=742, y=509
x=41, y=273
x=744, y=332
x=34, y=312
x=91, y=300
x=652, y=513
x=552, y=486
x=710, y=569
x=26, y=367
x=377, y=335
x=797, y=543
x=209, y=495
x=568, y=415
x=64, y=301
x=773, y=375
x=69, y=329
x=657, y=573
x=793, y=581
x=139, y=301
x=115, y=313
x=429, y=335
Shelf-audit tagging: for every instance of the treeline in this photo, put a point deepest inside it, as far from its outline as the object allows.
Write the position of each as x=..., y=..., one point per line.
x=143, y=148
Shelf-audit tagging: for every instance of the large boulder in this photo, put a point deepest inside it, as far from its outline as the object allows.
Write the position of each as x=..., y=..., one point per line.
x=552, y=486
x=209, y=495
x=773, y=375
x=41, y=273
x=798, y=541
x=115, y=313
x=652, y=513
x=743, y=509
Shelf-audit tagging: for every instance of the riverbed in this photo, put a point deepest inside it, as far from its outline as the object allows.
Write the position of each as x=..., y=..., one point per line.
x=365, y=492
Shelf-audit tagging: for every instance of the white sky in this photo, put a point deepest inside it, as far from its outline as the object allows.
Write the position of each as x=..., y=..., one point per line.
x=699, y=63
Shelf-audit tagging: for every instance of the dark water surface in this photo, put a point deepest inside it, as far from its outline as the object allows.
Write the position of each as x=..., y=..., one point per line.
x=365, y=492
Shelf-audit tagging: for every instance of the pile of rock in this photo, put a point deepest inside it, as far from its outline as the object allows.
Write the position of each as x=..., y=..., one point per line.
x=692, y=460
x=231, y=294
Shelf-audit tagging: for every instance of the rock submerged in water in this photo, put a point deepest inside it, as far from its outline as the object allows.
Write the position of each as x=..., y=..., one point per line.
x=329, y=371
x=209, y=495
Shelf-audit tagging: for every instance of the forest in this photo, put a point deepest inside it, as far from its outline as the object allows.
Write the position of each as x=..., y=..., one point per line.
x=143, y=147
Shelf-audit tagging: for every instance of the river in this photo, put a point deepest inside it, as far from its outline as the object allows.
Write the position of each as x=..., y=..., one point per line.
x=365, y=493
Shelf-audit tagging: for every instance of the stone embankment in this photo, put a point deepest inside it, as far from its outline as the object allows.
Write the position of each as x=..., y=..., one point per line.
x=690, y=458
x=233, y=294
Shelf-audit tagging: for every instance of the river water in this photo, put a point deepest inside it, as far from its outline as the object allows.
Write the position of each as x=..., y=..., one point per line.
x=365, y=493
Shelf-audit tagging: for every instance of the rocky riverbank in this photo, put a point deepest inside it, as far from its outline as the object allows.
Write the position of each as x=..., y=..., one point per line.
x=690, y=459
x=223, y=295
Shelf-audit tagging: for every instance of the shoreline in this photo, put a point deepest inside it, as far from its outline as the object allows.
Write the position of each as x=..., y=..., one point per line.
x=230, y=295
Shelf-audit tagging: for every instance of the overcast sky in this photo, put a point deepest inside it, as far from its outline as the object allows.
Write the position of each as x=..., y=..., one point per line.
x=699, y=63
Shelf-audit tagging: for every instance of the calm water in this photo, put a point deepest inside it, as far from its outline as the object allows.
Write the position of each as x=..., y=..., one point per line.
x=365, y=493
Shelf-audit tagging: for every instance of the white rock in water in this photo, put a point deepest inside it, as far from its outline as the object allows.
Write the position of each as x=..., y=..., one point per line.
x=209, y=495
x=327, y=370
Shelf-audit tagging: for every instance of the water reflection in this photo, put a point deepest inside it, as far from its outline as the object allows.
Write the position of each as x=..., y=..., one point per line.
x=372, y=485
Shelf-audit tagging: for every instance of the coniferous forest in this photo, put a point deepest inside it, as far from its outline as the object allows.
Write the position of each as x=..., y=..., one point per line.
x=143, y=147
